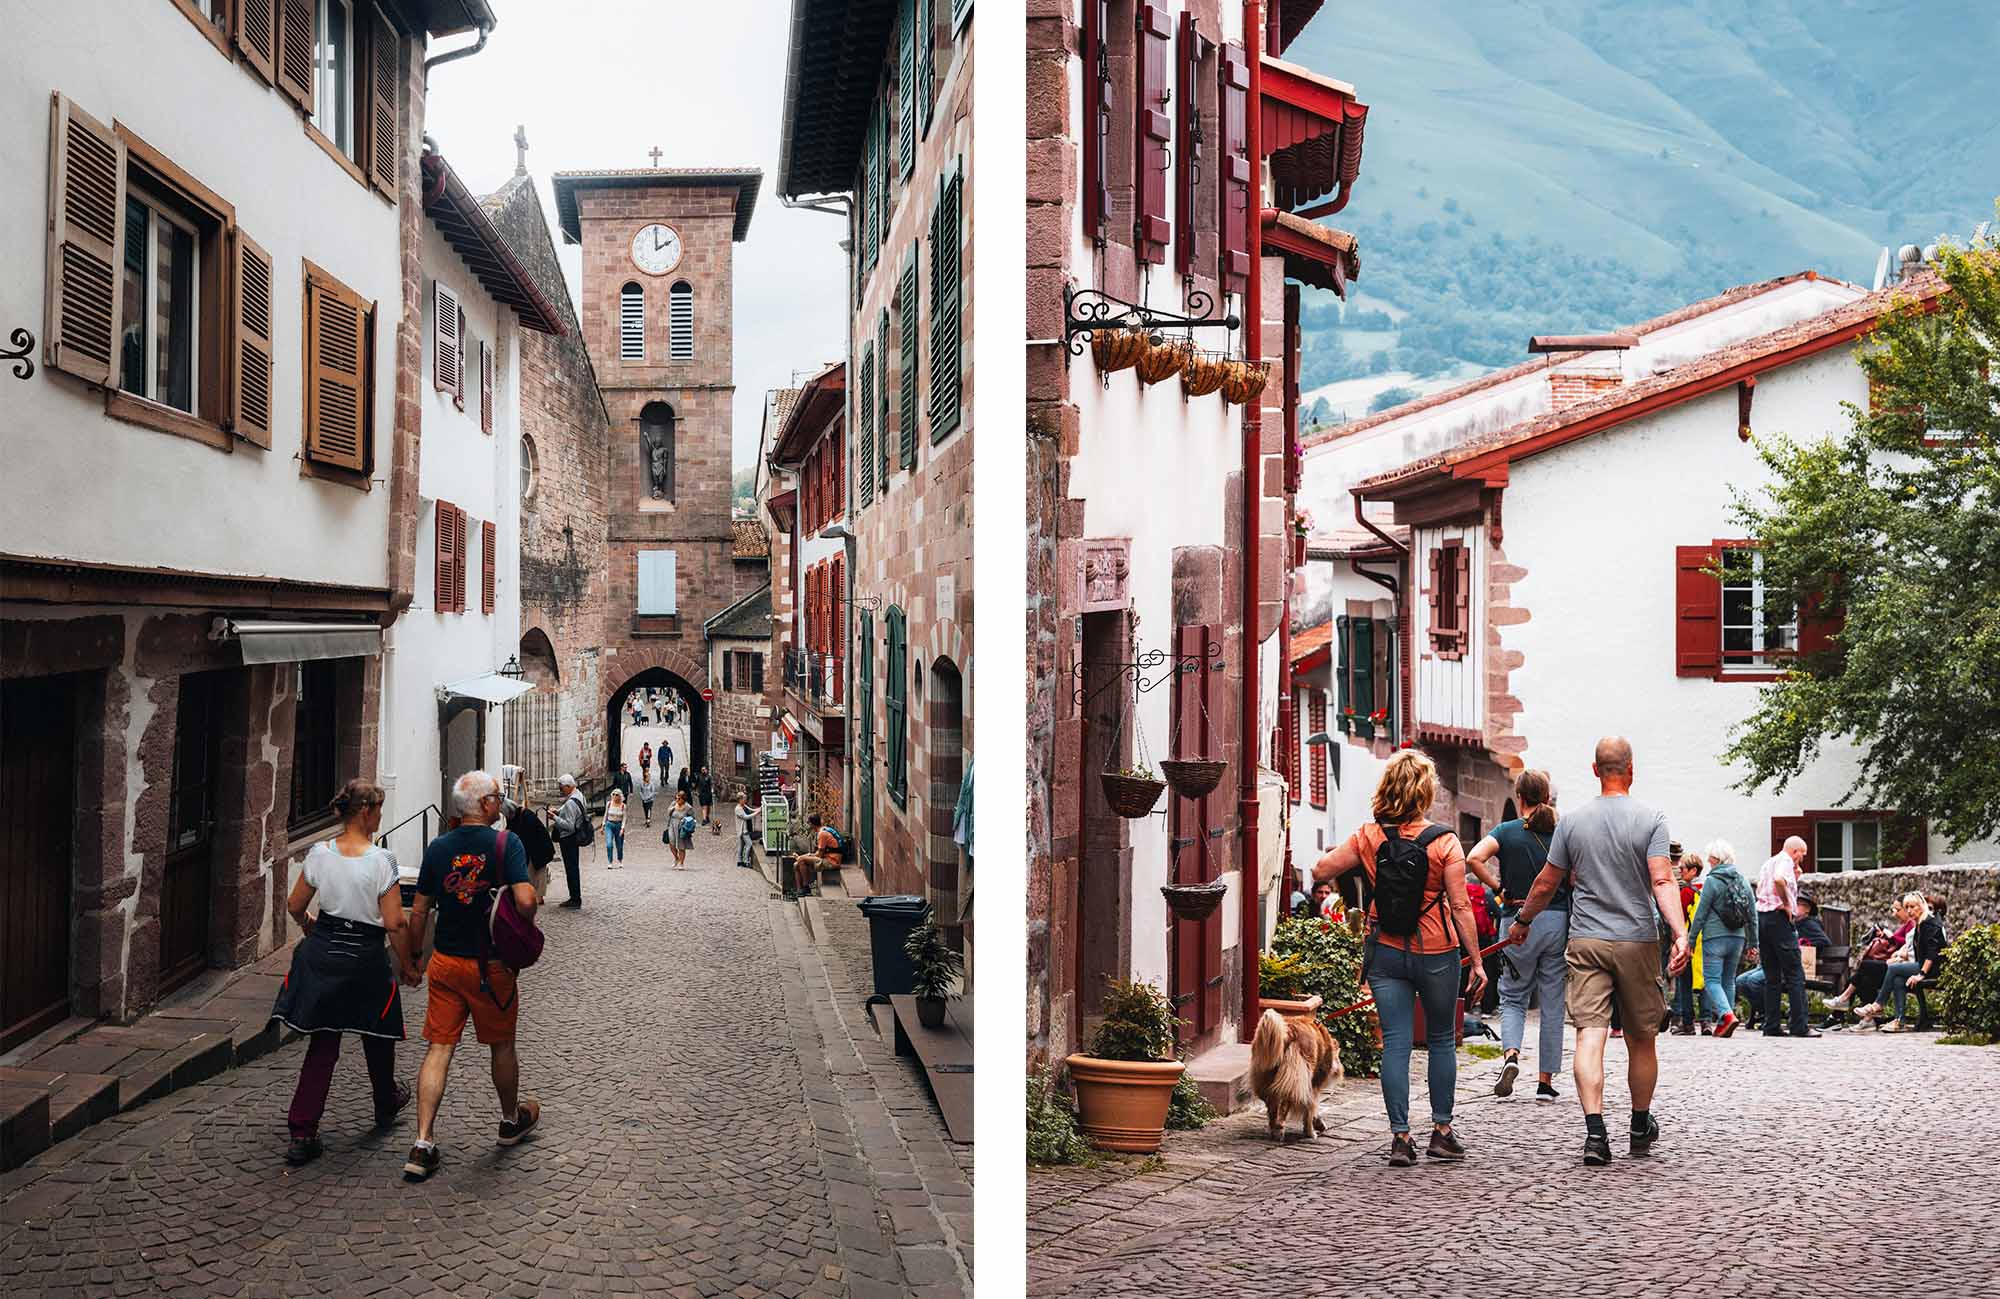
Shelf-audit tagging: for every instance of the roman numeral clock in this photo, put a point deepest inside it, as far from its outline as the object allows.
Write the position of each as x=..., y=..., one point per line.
x=656, y=249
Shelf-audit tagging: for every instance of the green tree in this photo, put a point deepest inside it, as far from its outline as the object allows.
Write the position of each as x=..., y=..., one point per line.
x=1896, y=523
x=1389, y=397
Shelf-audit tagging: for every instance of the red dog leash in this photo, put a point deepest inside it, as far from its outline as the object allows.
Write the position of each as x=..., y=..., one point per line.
x=1370, y=998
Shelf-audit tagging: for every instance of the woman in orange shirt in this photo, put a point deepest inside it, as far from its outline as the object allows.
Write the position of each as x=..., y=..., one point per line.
x=1420, y=966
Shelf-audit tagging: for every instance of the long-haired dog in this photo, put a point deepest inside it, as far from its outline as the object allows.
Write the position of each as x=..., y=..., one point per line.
x=1291, y=1062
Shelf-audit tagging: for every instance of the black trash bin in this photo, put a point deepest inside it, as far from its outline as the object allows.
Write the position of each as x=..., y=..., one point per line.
x=890, y=921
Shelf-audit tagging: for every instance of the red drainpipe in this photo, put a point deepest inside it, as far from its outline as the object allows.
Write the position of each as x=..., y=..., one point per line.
x=1250, y=935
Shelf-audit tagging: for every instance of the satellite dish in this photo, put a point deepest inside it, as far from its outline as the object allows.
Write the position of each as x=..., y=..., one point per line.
x=1882, y=267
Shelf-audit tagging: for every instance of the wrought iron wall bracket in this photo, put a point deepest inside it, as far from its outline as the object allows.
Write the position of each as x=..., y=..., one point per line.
x=24, y=344
x=1148, y=672
x=1085, y=311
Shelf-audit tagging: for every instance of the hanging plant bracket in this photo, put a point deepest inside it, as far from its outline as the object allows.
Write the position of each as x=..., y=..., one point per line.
x=1085, y=311
x=1146, y=672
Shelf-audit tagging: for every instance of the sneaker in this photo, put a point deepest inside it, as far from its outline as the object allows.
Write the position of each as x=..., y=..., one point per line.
x=1683, y=1030
x=526, y=1115
x=1895, y=1026
x=423, y=1161
x=1642, y=1142
x=1547, y=1092
x=1868, y=1012
x=1508, y=1073
x=303, y=1150
x=1402, y=1150
x=1810, y=1032
x=1617, y=1033
x=1727, y=1026
x=1842, y=1001
x=1445, y=1145
x=1596, y=1149
x=1706, y=1029
x=387, y=1118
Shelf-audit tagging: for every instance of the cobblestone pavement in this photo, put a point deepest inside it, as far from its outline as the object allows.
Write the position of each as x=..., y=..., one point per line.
x=692, y=1140
x=1823, y=1163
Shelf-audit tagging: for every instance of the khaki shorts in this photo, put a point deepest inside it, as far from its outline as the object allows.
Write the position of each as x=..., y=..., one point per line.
x=1600, y=969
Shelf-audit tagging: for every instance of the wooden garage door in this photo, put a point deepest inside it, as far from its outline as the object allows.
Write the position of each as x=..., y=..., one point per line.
x=37, y=784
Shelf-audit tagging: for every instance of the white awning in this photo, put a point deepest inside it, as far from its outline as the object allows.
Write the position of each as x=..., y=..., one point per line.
x=492, y=687
x=294, y=642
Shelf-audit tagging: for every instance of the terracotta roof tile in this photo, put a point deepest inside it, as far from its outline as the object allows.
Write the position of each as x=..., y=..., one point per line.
x=1305, y=643
x=752, y=542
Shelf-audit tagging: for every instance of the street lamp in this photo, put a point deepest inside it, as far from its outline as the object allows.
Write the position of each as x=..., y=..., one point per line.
x=512, y=671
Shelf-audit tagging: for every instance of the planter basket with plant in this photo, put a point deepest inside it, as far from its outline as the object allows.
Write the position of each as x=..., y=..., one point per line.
x=1125, y=1083
x=934, y=967
x=1133, y=792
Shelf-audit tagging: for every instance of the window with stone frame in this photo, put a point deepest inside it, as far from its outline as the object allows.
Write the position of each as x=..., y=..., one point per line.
x=315, y=745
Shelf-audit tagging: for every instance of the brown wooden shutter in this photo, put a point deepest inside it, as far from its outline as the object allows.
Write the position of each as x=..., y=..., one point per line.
x=1911, y=836
x=1188, y=161
x=1235, y=187
x=1153, y=130
x=336, y=376
x=460, y=559
x=485, y=386
x=444, y=324
x=1697, y=613
x=257, y=35
x=443, y=551
x=1317, y=725
x=250, y=385
x=1096, y=116
x=1461, y=558
x=385, y=70
x=1434, y=592
x=1783, y=828
x=298, y=51
x=86, y=244
x=489, y=540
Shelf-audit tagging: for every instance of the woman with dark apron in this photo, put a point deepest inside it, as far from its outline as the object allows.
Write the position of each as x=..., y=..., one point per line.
x=342, y=979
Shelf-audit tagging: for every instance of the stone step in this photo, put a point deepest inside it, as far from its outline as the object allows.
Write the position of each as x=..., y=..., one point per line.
x=1223, y=1074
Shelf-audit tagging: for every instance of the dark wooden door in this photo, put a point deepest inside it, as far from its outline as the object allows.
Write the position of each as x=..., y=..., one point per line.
x=185, y=889
x=1195, y=950
x=37, y=788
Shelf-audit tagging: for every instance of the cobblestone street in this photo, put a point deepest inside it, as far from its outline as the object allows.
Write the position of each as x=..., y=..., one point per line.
x=1822, y=1162
x=683, y=1033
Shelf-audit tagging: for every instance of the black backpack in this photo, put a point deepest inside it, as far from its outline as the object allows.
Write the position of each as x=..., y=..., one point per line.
x=1402, y=873
x=1736, y=905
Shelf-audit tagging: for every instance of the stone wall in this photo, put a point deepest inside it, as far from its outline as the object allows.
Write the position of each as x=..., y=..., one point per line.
x=1969, y=891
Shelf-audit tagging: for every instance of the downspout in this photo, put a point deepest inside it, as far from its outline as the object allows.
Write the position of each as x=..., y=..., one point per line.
x=1404, y=650
x=463, y=52
x=1249, y=939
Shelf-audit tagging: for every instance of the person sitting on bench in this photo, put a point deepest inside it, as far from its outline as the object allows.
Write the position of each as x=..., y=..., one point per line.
x=826, y=852
x=1881, y=943
x=1926, y=953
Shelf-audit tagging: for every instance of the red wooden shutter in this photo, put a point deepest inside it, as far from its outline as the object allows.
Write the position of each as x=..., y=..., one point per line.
x=485, y=387
x=1096, y=116
x=1188, y=161
x=1917, y=831
x=1317, y=726
x=1292, y=758
x=1461, y=593
x=1434, y=593
x=1235, y=188
x=461, y=549
x=1697, y=613
x=442, y=548
x=385, y=71
x=837, y=624
x=1783, y=828
x=298, y=51
x=86, y=256
x=489, y=539
x=257, y=35
x=1153, y=131
x=836, y=452
x=1819, y=622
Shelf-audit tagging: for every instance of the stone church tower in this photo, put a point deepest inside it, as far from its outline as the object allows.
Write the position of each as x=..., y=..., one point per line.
x=658, y=245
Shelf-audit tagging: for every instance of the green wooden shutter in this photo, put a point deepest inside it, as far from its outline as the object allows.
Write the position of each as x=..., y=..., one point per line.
x=882, y=173
x=1363, y=689
x=1342, y=632
x=865, y=745
x=887, y=464
x=908, y=314
x=894, y=682
x=906, y=93
x=926, y=63
x=946, y=301
x=865, y=412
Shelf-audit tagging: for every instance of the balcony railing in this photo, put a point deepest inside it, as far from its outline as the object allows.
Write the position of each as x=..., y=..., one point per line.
x=814, y=680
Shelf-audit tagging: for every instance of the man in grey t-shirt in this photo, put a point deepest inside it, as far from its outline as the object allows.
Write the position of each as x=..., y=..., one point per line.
x=1613, y=853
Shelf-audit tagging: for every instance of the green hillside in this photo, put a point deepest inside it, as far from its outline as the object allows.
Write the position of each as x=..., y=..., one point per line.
x=1553, y=166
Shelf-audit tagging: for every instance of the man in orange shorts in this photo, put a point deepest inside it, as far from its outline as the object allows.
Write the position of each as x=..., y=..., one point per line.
x=459, y=876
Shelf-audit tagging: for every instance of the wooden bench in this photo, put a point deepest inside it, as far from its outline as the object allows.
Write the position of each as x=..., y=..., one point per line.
x=946, y=1055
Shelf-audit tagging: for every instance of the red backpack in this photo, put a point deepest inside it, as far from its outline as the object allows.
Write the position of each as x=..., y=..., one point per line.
x=1482, y=914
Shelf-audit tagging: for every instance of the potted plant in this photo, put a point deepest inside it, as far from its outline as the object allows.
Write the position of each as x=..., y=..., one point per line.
x=1281, y=986
x=1133, y=792
x=1125, y=1082
x=934, y=968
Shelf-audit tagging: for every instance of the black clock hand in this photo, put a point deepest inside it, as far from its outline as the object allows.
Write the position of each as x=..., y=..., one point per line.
x=657, y=243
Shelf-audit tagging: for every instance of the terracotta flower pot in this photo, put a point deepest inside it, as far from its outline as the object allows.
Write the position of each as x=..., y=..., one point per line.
x=1122, y=1104
x=1291, y=1009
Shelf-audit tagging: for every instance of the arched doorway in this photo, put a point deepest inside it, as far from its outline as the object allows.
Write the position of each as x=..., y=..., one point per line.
x=618, y=714
x=538, y=658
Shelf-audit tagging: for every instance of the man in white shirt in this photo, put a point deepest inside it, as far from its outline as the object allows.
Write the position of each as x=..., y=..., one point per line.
x=1777, y=906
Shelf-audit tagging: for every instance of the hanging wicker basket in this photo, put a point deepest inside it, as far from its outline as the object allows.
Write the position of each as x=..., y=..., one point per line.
x=1118, y=349
x=1131, y=796
x=1193, y=901
x=1163, y=359
x=1203, y=373
x=1192, y=777
x=1243, y=381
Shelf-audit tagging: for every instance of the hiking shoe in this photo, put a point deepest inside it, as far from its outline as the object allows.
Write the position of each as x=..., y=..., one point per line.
x=1508, y=1073
x=1445, y=1145
x=303, y=1150
x=1402, y=1150
x=1727, y=1026
x=387, y=1118
x=1547, y=1092
x=422, y=1162
x=526, y=1115
x=1596, y=1149
x=1642, y=1142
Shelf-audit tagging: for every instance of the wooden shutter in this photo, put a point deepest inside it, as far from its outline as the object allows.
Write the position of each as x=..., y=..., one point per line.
x=882, y=175
x=385, y=70
x=1911, y=836
x=1292, y=758
x=1342, y=667
x=1188, y=159
x=444, y=335
x=460, y=558
x=837, y=623
x=1097, y=97
x=445, y=528
x=895, y=705
x=908, y=318
x=1234, y=219
x=257, y=35
x=1361, y=667
x=946, y=300
x=836, y=452
x=1697, y=613
x=878, y=373
x=926, y=63
x=485, y=386
x=1153, y=130
x=250, y=385
x=86, y=244
x=866, y=411
x=1316, y=726
x=489, y=540
x=336, y=375
x=298, y=51
x=1783, y=828
x=756, y=673
x=1820, y=620
x=906, y=92
x=872, y=235
x=728, y=671
x=1461, y=595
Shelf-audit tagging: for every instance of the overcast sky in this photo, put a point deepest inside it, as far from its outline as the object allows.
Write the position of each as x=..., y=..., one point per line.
x=599, y=83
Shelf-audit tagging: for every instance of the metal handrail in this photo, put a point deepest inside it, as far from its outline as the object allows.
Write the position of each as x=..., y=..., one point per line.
x=426, y=811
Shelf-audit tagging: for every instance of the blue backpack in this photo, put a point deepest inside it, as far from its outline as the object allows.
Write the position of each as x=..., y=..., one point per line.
x=842, y=844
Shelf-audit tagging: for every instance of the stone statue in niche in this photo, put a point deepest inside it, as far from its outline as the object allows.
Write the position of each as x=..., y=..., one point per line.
x=656, y=450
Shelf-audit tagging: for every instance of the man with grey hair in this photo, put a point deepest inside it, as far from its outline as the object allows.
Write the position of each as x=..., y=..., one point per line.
x=569, y=822
x=1613, y=854
x=462, y=870
x=1778, y=905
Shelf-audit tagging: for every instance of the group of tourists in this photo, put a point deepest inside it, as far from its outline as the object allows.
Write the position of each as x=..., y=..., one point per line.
x=652, y=706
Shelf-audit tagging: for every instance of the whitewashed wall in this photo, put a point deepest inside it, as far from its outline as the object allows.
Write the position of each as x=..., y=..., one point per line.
x=83, y=486
x=1595, y=524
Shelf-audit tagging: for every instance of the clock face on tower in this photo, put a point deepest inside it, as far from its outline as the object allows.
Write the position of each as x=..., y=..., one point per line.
x=656, y=249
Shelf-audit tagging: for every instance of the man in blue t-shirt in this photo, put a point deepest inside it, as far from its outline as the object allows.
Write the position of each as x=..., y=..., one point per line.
x=457, y=881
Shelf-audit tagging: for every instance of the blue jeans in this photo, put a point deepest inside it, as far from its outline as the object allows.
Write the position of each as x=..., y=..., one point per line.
x=1538, y=963
x=1718, y=975
x=614, y=841
x=1894, y=985
x=1399, y=980
x=1750, y=988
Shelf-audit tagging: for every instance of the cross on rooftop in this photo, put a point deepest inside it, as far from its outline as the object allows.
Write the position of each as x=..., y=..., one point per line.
x=521, y=150
x=656, y=155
